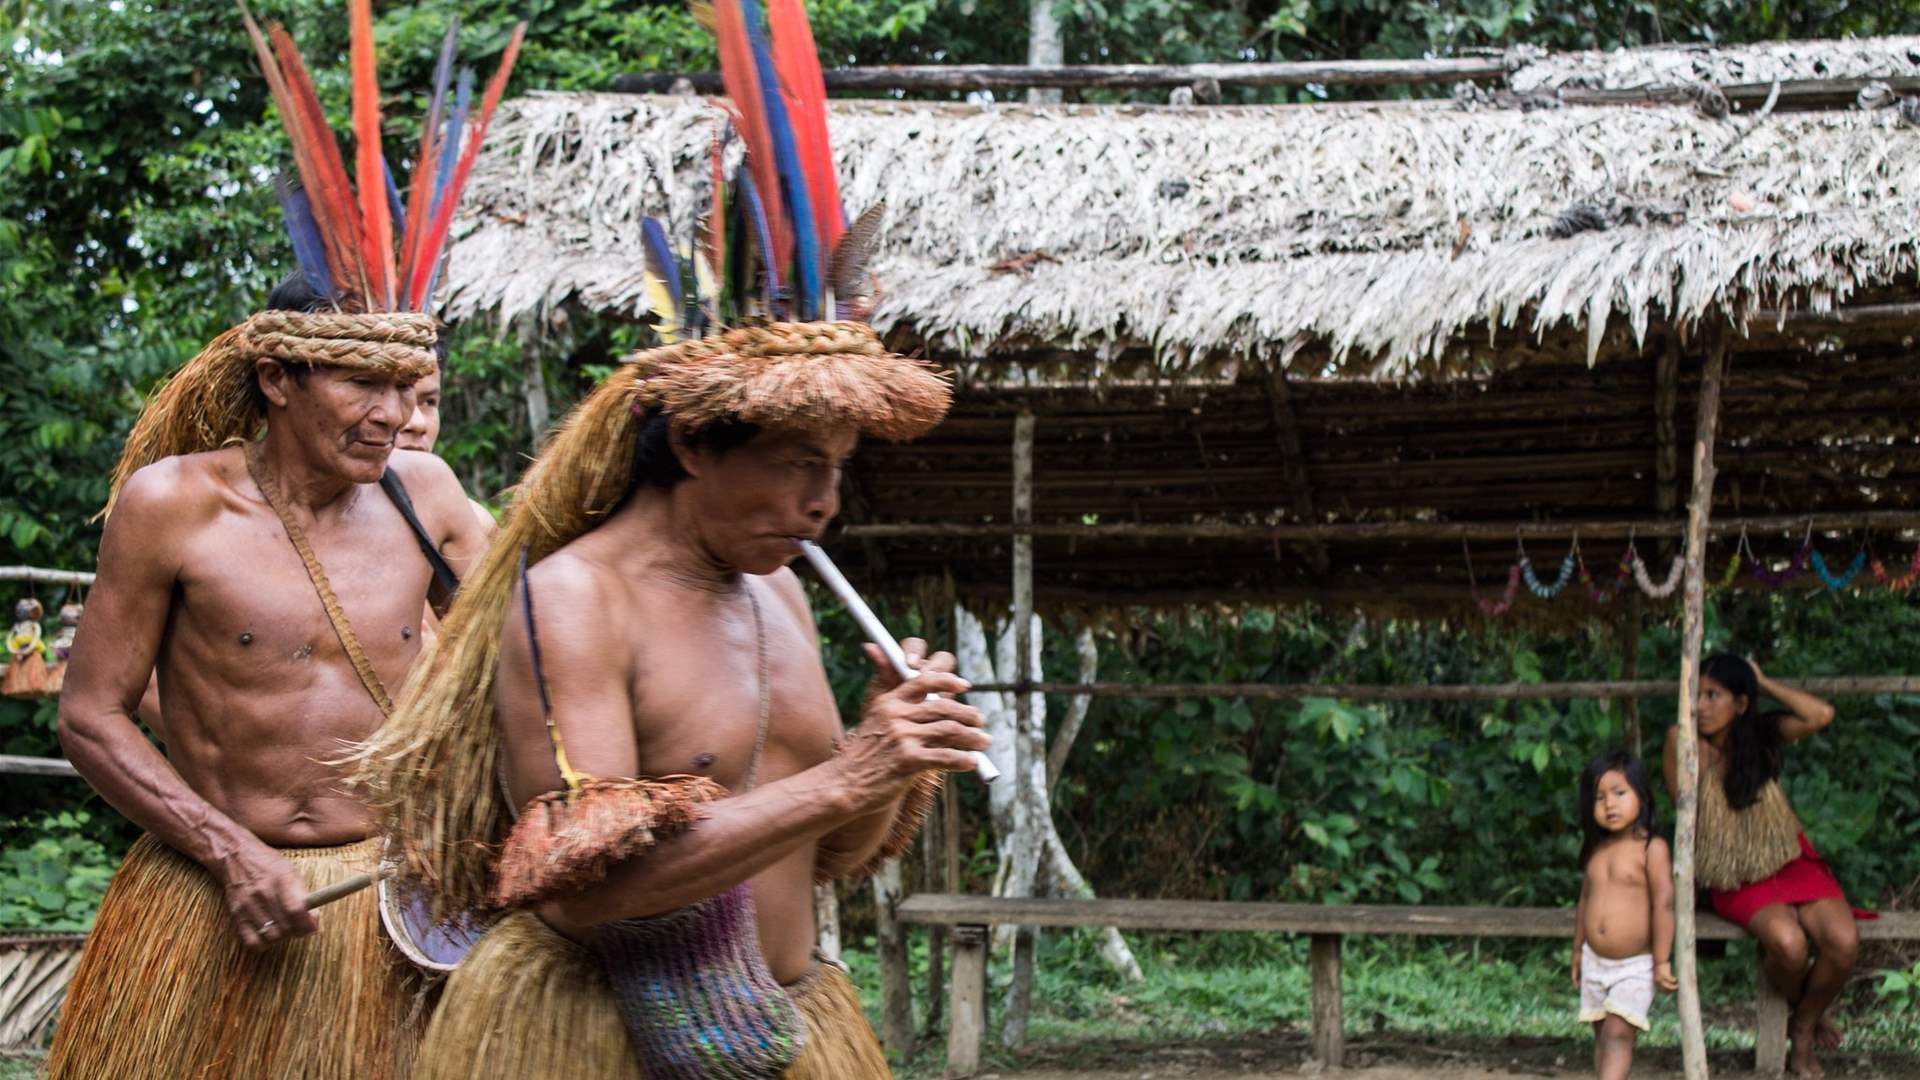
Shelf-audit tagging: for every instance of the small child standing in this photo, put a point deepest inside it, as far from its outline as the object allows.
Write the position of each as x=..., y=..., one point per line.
x=1623, y=936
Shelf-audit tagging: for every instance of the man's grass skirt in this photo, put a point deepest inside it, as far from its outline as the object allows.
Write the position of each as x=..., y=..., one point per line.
x=527, y=1002
x=165, y=989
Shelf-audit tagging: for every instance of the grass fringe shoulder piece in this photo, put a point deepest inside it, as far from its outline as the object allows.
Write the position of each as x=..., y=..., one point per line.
x=567, y=840
x=213, y=401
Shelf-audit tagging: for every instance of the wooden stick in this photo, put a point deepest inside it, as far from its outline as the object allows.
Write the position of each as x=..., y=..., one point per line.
x=40, y=576
x=1693, y=1045
x=1827, y=686
x=342, y=889
x=1436, y=531
x=958, y=78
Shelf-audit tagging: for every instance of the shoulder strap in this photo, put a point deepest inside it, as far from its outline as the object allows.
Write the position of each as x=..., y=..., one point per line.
x=443, y=575
x=342, y=629
x=573, y=779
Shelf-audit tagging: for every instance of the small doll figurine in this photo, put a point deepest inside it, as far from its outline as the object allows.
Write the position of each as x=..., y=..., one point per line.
x=27, y=662
x=62, y=648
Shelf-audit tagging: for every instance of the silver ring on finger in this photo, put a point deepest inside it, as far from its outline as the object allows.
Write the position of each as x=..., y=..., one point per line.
x=266, y=926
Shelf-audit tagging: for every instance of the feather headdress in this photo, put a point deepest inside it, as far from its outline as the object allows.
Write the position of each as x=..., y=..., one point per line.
x=344, y=232
x=753, y=306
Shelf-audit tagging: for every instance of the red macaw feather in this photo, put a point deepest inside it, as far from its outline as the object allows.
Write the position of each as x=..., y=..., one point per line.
x=436, y=235
x=798, y=60
x=290, y=119
x=738, y=74
x=332, y=195
x=376, y=220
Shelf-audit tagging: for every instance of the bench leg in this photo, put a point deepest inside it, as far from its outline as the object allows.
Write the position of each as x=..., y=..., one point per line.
x=1770, y=1013
x=967, y=1008
x=1329, y=1025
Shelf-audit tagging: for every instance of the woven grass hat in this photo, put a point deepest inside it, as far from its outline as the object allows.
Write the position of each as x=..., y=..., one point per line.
x=212, y=400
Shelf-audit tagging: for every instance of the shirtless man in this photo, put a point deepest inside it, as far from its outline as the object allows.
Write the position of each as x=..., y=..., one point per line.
x=658, y=662
x=199, y=579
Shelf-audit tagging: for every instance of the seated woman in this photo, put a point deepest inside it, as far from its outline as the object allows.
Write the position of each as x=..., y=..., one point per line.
x=1754, y=856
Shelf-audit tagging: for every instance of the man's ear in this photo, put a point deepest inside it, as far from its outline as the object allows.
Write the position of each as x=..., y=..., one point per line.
x=691, y=459
x=274, y=379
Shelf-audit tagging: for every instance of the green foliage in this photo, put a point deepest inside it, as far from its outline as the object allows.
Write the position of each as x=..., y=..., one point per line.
x=56, y=881
x=1899, y=991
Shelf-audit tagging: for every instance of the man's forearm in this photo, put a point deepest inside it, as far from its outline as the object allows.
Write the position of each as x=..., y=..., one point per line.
x=114, y=757
x=737, y=838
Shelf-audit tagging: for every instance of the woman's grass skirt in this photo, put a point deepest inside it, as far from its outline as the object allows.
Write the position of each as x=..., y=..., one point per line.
x=165, y=989
x=527, y=1002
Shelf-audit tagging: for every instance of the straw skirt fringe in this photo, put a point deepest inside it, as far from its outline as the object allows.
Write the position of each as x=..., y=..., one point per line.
x=165, y=989
x=527, y=1002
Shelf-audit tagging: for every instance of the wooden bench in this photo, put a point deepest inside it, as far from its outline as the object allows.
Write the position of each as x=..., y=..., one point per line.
x=970, y=916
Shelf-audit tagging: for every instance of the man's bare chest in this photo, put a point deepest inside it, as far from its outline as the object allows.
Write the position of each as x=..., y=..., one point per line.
x=242, y=584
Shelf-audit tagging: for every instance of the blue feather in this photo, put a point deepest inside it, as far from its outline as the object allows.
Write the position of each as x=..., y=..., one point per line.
x=309, y=251
x=756, y=215
x=443, y=73
x=393, y=199
x=793, y=179
x=660, y=260
x=449, y=150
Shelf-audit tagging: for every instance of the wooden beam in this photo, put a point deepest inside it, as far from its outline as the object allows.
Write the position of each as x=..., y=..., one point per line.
x=1863, y=316
x=1329, y=1020
x=1383, y=531
x=39, y=576
x=1794, y=94
x=1293, y=462
x=1394, y=920
x=36, y=766
x=1827, y=686
x=1693, y=1045
x=961, y=78
x=967, y=999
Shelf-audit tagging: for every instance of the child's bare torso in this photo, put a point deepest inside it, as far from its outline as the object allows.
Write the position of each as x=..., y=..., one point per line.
x=1619, y=910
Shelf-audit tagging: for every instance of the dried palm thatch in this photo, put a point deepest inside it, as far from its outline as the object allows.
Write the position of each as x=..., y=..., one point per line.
x=431, y=770
x=35, y=968
x=1397, y=236
x=212, y=400
x=1676, y=65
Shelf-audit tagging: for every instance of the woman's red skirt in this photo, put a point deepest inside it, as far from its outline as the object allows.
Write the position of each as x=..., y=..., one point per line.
x=1801, y=881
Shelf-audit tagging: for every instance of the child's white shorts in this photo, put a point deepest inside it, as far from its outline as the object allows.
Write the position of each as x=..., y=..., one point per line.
x=1621, y=987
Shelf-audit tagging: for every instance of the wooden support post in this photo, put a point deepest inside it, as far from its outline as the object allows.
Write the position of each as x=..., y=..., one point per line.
x=1329, y=1024
x=1020, y=993
x=896, y=986
x=1770, y=1015
x=1630, y=672
x=1293, y=463
x=968, y=1005
x=1693, y=1044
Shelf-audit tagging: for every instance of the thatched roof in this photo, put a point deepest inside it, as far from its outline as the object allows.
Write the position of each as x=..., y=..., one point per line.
x=1676, y=65
x=1203, y=247
x=1204, y=236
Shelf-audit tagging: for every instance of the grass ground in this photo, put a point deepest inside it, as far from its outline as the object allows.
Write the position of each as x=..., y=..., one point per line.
x=1241, y=1002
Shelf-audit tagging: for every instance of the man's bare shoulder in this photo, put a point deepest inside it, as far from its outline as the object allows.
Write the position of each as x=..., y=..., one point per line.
x=430, y=481
x=181, y=488
x=786, y=585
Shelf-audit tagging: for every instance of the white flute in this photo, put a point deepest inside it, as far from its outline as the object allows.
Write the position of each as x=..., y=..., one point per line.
x=871, y=626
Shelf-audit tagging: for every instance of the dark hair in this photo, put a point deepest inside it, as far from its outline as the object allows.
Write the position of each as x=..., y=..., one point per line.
x=295, y=294
x=1753, y=744
x=654, y=461
x=1636, y=773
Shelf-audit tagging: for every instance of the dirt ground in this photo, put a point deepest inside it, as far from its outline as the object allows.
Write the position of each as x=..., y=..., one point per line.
x=1398, y=1058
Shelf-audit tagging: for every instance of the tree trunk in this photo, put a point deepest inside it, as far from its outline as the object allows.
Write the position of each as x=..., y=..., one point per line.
x=826, y=920
x=1076, y=711
x=1045, y=47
